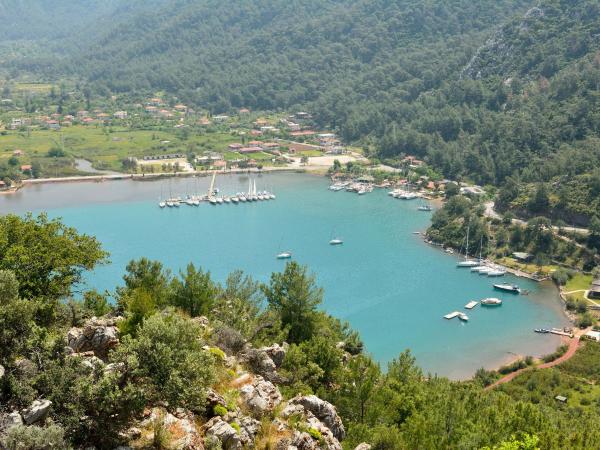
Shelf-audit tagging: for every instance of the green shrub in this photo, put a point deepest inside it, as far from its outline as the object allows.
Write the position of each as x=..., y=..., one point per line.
x=34, y=438
x=219, y=410
x=217, y=352
x=236, y=427
x=315, y=434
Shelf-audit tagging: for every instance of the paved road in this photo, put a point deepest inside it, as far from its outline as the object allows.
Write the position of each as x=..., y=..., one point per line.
x=573, y=346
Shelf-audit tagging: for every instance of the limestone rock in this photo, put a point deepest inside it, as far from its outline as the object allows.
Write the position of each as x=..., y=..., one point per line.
x=8, y=421
x=213, y=399
x=97, y=335
x=259, y=362
x=363, y=446
x=182, y=429
x=324, y=411
x=2, y=371
x=37, y=412
x=260, y=396
x=225, y=433
x=248, y=430
x=276, y=353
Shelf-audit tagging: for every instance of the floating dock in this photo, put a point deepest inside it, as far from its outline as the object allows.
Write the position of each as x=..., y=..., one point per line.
x=471, y=304
x=452, y=315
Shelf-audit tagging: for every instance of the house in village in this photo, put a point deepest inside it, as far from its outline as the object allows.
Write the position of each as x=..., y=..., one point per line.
x=594, y=291
x=121, y=115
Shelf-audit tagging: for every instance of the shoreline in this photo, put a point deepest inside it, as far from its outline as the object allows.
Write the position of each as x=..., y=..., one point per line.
x=312, y=170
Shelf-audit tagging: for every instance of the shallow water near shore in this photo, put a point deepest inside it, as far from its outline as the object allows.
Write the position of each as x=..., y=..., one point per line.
x=384, y=280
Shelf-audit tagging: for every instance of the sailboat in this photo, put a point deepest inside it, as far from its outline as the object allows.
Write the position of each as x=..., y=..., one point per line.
x=161, y=202
x=467, y=262
x=284, y=255
x=211, y=190
x=336, y=241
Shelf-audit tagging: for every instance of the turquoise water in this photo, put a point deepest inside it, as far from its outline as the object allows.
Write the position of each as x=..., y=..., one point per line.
x=384, y=280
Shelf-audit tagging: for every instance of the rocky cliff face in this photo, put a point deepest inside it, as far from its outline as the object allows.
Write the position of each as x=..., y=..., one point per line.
x=244, y=409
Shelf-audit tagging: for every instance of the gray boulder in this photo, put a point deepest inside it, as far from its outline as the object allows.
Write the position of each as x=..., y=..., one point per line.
x=37, y=412
x=182, y=429
x=249, y=428
x=324, y=411
x=363, y=446
x=7, y=421
x=276, y=353
x=260, y=396
x=218, y=429
x=97, y=335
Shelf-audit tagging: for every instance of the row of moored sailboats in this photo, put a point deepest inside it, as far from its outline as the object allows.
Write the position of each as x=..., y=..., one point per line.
x=214, y=198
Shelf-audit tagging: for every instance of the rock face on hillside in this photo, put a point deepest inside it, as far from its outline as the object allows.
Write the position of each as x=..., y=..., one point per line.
x=260, y=396
x=37, y=412
x=97, y=335
x=323, y=411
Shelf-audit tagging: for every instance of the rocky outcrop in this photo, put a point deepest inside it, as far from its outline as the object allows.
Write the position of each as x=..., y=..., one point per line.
x=323, y=411
x=219, y=429
x=37, y=412
x=7, y=421
x=2, y=371
x=261, y=396
x=363, y=446
x=213, y=399
x=180, y=428
x=249, y=428
x=276, y=353
x=98, y=335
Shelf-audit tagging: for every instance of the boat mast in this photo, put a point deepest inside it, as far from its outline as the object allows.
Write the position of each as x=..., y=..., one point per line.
x=467, y=247
x=211, y=189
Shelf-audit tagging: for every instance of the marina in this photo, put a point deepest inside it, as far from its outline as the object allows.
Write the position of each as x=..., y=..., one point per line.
x=383, y=280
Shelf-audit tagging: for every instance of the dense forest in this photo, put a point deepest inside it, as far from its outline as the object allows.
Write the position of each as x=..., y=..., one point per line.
x=481, y=91
x=183, y=349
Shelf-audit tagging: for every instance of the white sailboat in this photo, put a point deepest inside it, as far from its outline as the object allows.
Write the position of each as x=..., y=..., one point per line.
x=467, y=262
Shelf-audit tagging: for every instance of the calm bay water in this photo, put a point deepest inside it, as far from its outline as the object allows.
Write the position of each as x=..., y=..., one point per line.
x=384, y=280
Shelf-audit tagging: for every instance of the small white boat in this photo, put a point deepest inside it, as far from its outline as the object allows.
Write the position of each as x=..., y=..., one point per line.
x=196, y=202
x=496, y=273
x=169, y=203
x=424, y=208
x=227, y=200
x=284, y=255
x=336, y=241
x=272, y=196
x=162, y=204
x=463, y=317
x=260, y=197
x=212, y=200
x=235, y=199
x=176, y=203
x=189, y=202
x=479, y=268
x=243, y=199
x=219, y=200
x=491, y=302
x=468, y=263
x=513, y=288
x=472, y=304
x=449, y=250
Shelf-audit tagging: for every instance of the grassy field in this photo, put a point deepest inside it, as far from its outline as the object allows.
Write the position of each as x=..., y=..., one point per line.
x=579, y=281
x=106, y=147
x=528, y=268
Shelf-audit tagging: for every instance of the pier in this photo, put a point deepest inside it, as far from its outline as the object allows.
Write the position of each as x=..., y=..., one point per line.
x=452, y=315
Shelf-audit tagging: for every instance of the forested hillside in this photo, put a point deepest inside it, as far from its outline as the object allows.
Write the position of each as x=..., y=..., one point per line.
x=480, y=90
